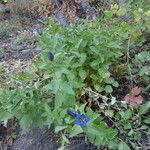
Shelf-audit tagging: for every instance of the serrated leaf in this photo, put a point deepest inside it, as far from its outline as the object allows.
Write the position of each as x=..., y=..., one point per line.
x=59, y=99
x=123, y=146
x=98, y=140
x=65, y=139
x=144, y=108
x=98, y=88
x=25, y=122
x=82, y=74
x=94, y=64
x=4, y=116
x=47, y=108
x=128, y=114
x=127, y=126
x=75, y=130
x=71, y=75
x=59, y=128
x=94, y=131
x=67, y=88
x=109, y=113
x=147, y=121
x=102, y=72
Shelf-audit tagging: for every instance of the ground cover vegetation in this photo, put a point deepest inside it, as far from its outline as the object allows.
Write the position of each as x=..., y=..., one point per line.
x=90, y=77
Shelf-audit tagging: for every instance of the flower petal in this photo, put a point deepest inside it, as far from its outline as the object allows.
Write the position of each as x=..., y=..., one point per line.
x=128, y=98
x=87, y=119
x=71, y=113
x=139, y=100
x=50, y=56
x=136, y=91
x=80, y=123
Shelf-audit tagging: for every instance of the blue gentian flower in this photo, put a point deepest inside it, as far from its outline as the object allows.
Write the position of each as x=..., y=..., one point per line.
x=81, y=119
x=50, y=56
x=72, y=113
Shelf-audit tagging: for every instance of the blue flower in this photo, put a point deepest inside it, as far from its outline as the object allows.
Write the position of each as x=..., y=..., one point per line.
x=50, y=56
x=81, y=119
x=72, y=113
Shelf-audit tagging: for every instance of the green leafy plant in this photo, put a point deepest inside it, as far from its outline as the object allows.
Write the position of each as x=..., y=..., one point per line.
x=140, y=65
x=133, y=123
x=71, y=60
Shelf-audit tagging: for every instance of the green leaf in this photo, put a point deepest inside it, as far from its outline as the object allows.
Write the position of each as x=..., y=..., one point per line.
x=144, y=108
x=130, y=132
x=98, y=87
x=59, y=128
x=127, y=114
x=98, y=131
x=82, y=74
x=147, y=121
x=99, y=140
x=71, y=75
x=4, y=116
x=82, y=108
x=59, y=99
x=123, y=146
x=108, y=89
x=115, y=84
x=26, y=122
x=75, y=130
x=68, y=120
x=127, y=125
x=55, y=85
x=109, y=113
x=67, y=88
x=92, y=115
x=91, y=137
x=110, y=81
x=65, y=139
x=142, y=71
x=47, y=109
x=102, y=72
x=94, y=77
x=78, y=44
x=47, y=87
x=94, y=64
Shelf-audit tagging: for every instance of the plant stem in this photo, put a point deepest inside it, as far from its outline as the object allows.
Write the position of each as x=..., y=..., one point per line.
x=128, y=62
